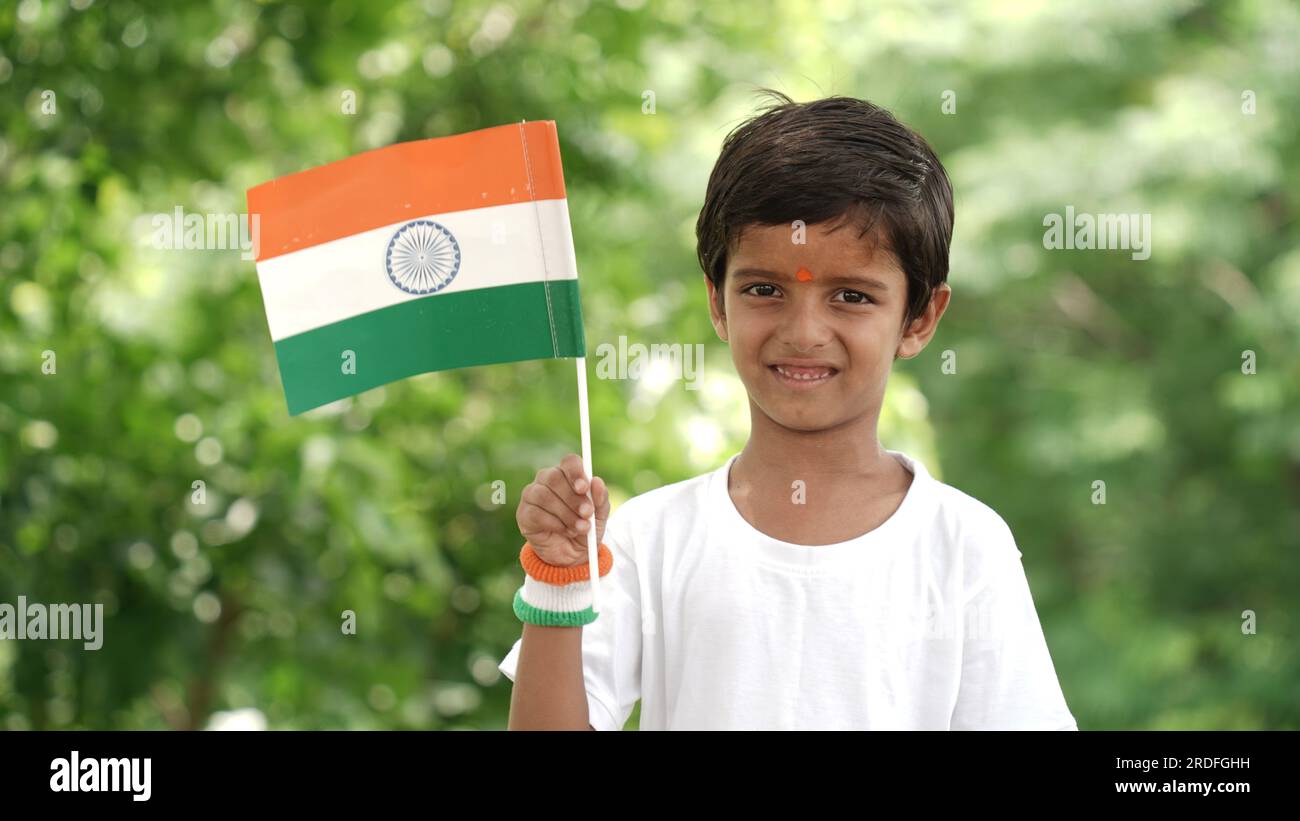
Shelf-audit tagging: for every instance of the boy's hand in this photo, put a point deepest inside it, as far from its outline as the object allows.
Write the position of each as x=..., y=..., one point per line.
x=554, y=511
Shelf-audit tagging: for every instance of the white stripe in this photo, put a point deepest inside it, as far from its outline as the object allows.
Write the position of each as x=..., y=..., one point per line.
x=337, y=280
x=558, y=598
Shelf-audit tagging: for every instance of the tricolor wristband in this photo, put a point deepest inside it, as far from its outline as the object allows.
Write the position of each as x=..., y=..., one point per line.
x=553, y=596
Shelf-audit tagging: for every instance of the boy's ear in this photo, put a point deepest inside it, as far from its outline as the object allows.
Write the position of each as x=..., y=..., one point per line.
x=716, y=312
x=917, y=336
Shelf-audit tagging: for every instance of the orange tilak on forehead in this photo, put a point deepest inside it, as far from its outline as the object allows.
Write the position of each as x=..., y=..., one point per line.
x=803, y=275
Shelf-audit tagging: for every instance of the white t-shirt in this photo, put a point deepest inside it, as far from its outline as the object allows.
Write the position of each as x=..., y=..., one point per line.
x=925, y=623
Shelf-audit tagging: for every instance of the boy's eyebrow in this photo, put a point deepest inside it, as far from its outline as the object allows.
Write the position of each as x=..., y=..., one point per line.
x=862, y=282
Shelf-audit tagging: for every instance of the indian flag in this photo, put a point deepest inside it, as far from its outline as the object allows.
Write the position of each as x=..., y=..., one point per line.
x=418, y=257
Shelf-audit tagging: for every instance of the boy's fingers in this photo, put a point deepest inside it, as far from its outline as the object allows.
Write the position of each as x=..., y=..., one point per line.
x=556, y=482
x=601, y=494
x=571, y=467
x=545, y=499
x=533, y=519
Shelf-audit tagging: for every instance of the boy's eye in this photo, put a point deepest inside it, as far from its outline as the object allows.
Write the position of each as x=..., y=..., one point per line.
x=865, y=300
x=856, y=297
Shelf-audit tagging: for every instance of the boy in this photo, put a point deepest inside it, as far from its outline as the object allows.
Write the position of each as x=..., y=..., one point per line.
x=816, y=580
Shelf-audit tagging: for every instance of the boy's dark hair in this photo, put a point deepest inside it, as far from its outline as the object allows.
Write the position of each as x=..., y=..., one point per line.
x=838, y=157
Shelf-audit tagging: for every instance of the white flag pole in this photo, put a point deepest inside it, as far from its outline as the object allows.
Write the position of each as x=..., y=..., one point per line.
x=593, y=560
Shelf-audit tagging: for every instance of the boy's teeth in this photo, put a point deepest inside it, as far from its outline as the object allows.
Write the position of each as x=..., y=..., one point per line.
x=802, y=373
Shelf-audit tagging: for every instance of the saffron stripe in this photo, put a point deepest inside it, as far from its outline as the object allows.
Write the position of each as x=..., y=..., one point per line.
x=492, y=166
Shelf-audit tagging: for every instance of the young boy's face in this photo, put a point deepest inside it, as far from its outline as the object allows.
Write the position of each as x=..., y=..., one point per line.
x=830, y=304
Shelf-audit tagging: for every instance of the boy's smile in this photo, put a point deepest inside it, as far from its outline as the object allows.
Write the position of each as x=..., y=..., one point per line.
x=814, y=327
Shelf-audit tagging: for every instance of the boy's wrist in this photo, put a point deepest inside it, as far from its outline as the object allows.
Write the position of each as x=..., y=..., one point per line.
x=536, y=567
x=553, y=596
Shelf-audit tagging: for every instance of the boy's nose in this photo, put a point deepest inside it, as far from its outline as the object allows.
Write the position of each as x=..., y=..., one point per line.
x=804, y=327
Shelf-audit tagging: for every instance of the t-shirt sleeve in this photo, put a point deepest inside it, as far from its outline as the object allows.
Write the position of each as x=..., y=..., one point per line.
x=1008, y=681
x=611, y=645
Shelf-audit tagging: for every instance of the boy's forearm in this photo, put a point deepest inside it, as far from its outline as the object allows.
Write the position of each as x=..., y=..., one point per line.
x=549, y=692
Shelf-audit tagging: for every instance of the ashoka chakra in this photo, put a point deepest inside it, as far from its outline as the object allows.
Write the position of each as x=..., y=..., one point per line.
x=422, y=257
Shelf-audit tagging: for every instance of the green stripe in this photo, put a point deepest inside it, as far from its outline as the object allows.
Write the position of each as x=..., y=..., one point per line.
x=436, y=333
x=551, y=618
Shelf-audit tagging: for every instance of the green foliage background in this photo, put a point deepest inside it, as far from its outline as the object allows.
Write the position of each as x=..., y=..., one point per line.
x=1073, y=366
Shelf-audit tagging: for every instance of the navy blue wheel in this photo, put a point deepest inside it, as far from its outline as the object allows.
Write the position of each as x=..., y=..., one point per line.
x=422, y=257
